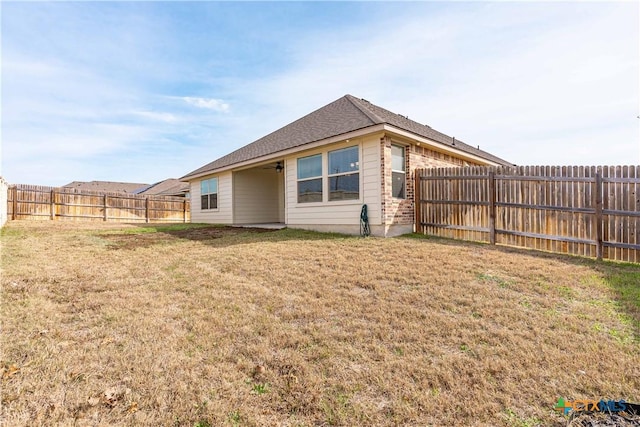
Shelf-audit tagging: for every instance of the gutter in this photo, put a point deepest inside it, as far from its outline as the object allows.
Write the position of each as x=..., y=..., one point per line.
x=382, y=127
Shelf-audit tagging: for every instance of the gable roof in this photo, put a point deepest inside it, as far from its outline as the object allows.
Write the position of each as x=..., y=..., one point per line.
x=168, y=187
x=106, y=186
x=344, y=115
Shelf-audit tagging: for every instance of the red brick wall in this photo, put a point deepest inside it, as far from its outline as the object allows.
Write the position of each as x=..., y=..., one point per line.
x=401, y=211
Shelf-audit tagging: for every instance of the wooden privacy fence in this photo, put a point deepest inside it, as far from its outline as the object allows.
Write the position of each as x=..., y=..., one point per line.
x=50, y=203
x=4, y=188
x=582, y=210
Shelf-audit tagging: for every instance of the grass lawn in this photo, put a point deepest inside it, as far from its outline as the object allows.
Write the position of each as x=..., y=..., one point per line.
x=114, y=324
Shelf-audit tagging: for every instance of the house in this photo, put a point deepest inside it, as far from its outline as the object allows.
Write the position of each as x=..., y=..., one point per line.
x=317, y=172
x=106, y=186
x=167, y=187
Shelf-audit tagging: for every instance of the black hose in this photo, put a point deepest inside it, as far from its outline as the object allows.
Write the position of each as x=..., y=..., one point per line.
x=364, y=222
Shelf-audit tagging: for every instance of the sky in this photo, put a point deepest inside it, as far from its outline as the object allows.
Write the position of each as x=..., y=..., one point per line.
x=144, y=91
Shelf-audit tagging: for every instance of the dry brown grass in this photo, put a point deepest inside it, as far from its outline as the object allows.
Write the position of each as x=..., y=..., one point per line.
x=106, y=325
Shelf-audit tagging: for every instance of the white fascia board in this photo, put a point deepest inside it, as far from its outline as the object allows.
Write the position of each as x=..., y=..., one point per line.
x=273, y=156
x=438, y=146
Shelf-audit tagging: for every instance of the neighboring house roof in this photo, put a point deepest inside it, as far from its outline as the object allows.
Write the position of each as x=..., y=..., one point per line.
x=106, y=186
x=168, y=187
x=344, y=115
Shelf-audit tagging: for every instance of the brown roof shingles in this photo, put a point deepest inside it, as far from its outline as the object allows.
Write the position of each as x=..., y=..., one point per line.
x=386, y=116
x=168, y=187
x=106, y=186
x=344, y=115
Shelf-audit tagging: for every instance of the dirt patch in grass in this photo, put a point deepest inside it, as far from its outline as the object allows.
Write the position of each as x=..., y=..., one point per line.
x=154, y=235
x=296, y=328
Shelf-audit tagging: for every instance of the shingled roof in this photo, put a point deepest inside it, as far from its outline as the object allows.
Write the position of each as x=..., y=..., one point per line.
x=106, y=186
x=344, y=115
x=167, y=187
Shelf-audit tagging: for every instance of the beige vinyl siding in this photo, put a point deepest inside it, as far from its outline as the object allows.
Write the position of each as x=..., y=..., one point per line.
x=371, y=176
x=282, y=200
x=345, y=212
x=222, y=215
x=256, y=196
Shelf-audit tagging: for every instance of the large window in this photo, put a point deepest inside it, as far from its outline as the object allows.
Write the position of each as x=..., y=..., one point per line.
x=344, y=178
x=209, y=194
x=310, y=179
x=398, y=171
x=340, y=179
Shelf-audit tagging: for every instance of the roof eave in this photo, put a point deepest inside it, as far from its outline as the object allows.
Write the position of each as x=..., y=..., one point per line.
x=446, y=148
x=307, y=146
x=382, y=127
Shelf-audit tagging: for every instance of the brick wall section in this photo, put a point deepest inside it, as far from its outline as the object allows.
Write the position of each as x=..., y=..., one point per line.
x=385, y=171
x=401, y=211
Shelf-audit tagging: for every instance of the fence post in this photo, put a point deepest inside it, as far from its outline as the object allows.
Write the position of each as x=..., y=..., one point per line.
x=598, y=203
x=146, y=209
x=52, y=206
x=14, y=214
x=492, y=207
x=104, y=202
x=184, y=210
x=417, y=195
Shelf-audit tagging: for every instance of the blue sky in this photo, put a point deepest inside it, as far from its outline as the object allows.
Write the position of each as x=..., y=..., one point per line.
x=142, y=91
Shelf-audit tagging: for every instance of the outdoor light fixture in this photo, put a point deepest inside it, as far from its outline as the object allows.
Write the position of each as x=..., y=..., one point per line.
x=278, y=167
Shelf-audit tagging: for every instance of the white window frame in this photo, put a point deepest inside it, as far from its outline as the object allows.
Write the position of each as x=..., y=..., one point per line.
x=326, y=181
x=209, y=193
x=347, y=173
x=396, y=171
x=309, y=178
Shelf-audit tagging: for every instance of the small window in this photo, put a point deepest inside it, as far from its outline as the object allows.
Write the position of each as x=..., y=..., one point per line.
x=209, y=194
x=398, y=171
x=310, y=179
x=344, y=176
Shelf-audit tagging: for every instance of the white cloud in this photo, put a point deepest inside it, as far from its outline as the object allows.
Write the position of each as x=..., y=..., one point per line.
x=157, y=116
x=549, y=83
x=66, y=122
x=208, y=103
x=497, y=75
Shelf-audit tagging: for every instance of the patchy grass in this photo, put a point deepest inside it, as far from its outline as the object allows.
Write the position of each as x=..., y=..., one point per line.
x=109, y=324
x=162, y=228
x=625, y=280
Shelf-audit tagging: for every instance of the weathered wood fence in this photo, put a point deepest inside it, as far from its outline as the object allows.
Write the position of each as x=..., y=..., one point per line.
x=50, y=203
x=4, y=188
x=583, y=210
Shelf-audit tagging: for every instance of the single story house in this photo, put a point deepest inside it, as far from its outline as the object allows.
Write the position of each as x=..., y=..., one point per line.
x=106, y=186
x=167, y=187
x=317, y=172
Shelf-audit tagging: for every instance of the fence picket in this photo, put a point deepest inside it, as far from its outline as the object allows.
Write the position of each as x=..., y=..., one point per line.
x=587, y=211
x=51, y=203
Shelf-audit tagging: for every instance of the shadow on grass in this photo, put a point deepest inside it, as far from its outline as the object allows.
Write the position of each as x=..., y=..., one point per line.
x=622, y=278
x=209, y=234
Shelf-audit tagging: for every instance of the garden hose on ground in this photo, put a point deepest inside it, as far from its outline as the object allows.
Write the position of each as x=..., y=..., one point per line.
x=364, y=222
